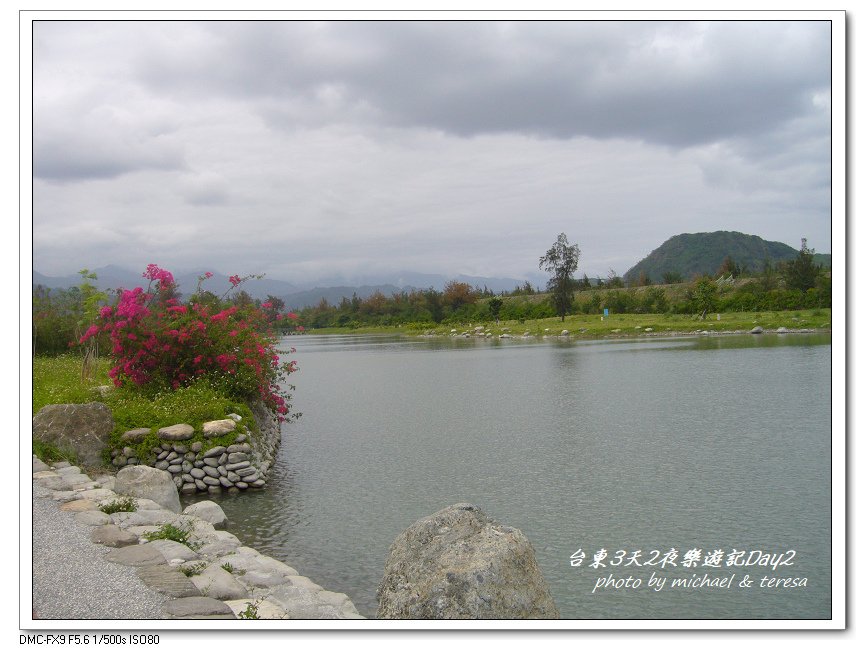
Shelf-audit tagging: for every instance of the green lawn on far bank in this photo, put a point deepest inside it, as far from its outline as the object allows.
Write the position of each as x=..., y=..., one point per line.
x=595, y=326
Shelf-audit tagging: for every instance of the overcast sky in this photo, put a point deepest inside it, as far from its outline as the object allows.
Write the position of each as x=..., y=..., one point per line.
x=308, y=149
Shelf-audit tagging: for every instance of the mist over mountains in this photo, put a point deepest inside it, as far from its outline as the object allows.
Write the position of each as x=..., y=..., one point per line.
x=688, y=254
x=295, y=296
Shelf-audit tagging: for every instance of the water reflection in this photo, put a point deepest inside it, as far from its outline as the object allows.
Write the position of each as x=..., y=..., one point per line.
x=595, y=444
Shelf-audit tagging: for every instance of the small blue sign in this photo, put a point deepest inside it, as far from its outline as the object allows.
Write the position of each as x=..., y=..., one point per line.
x=606, y=312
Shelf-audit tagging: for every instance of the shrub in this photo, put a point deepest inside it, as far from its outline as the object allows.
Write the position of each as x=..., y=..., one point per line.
x=159, y=343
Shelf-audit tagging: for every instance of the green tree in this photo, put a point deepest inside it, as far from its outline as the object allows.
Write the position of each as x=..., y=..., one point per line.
x=561, y=261
x=495, y=304
x=91, y=299
x=614, y=281
x=672, y=277
x=705, y=295
x=769, y=276
x=584, y=284
x=801, y=273
x=729, y=267
x=242, y=299
x=434, y=304
x=456, y=294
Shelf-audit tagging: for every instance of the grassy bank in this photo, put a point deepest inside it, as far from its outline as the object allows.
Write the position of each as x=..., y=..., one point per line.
x=594, y=326
x=58, y=380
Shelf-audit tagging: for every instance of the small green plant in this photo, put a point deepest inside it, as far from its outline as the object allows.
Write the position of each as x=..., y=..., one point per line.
x=173, y=533
x=227, y=567
x=123, y=504
x=251, y=611
x=193, y=569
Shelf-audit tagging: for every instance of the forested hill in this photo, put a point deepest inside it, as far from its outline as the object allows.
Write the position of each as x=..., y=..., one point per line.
x=692, y=254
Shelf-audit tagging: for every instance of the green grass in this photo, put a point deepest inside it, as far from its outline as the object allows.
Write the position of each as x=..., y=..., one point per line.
x=48, y=453
x=58, y=380
x=593, y=326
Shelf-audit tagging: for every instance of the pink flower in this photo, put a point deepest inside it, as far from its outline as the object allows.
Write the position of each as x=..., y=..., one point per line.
x=91, y=331
x=105, y=312
x=225, y=313
x=235, y=280
x=208, y=275
x=153, y=272
x=291, y=315
x=267, y=305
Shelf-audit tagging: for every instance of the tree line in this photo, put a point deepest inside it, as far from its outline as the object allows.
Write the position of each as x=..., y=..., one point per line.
x=793, y=284
x=60, y=316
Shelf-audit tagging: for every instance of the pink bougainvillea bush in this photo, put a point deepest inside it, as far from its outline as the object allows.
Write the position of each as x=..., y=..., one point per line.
x=159, y=342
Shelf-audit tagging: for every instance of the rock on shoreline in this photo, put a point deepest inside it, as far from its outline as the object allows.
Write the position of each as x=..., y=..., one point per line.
x=218, y=577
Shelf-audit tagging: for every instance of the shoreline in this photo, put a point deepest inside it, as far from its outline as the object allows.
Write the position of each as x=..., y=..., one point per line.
x=577, y=335
x=79, y=549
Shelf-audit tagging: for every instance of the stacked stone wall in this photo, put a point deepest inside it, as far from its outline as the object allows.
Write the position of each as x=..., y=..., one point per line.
x=197, y=466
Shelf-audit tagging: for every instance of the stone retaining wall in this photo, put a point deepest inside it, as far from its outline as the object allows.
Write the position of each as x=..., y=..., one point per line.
x=197, y=467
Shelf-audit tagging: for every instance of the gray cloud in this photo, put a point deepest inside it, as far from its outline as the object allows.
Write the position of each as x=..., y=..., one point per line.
x=313, y=148
x=678, y=84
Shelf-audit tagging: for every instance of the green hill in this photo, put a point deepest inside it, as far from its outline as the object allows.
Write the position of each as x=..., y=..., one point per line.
x=691, y=254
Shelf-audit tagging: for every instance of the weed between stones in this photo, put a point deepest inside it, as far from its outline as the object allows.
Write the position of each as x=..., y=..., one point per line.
x=194, y=569
x=123, y=504
x=173, y=533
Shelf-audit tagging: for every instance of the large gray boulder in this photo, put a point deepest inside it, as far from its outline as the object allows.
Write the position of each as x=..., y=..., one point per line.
x=460, y=564
x=81, y=428
x=208, y=511
x=148, y=483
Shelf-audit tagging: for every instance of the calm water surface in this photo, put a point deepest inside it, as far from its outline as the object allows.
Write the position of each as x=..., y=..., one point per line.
x=691, y=443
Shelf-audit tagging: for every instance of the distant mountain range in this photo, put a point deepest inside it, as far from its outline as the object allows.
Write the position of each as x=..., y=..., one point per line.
x=700, y=253
x=688, y=254
x=295, y=296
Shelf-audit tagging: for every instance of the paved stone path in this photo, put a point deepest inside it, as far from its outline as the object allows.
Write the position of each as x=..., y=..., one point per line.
x=91, y=565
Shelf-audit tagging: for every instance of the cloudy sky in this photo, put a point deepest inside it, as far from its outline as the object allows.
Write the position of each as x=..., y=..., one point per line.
x=313, y=149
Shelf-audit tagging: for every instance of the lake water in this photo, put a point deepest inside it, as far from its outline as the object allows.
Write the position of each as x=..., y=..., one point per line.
x=709, y=443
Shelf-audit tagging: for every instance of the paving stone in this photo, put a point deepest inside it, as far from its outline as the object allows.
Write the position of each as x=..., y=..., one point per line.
x=168, y=580
x=172, y=550
x=140, y=555
x=198, y=607
x=265, y=609
x=79, y=505
x=92, y=518
x=216, y=582
x=112, y=536
x=256, y=579
x=64, y=496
